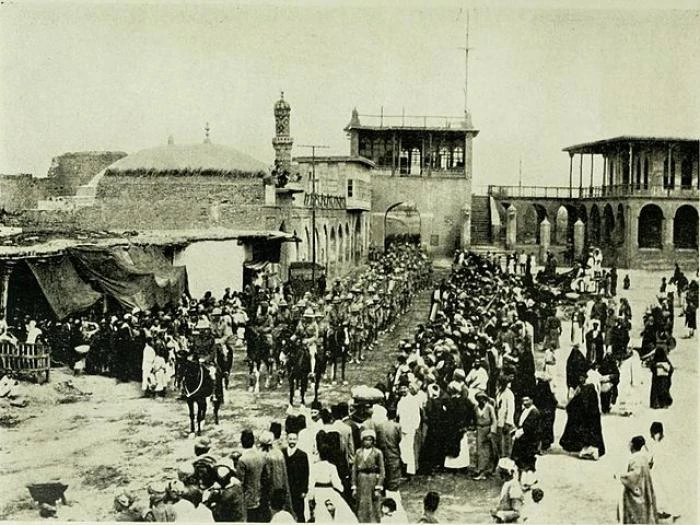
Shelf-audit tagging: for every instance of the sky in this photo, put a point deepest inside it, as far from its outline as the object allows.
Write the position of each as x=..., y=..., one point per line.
x=107, y=76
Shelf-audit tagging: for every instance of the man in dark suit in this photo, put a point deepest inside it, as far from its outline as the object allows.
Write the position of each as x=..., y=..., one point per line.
x=251, y=466
x=297, y=474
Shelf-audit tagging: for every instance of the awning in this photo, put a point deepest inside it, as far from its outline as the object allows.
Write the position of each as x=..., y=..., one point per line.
x=63, y=288
x=256, y=266
x=142, y=279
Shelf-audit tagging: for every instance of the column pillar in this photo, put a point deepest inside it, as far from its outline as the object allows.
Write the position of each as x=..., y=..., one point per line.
x=511, y=227
x=667, y=232
x=591, y=175
x=430, y=156
x=631, y=170
x=578, y=238
x=5, y=272
x=631, y=237
x=545, y=239
x=580, y=175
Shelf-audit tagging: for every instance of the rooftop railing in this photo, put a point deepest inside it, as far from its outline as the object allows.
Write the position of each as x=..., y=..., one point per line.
x=593, y=192
x=414, y=121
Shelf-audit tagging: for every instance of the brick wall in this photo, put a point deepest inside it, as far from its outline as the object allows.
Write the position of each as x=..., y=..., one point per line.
x=19, y=192
x=70, y=170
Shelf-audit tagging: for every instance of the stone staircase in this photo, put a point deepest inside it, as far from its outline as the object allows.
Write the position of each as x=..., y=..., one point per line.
x=481, y=220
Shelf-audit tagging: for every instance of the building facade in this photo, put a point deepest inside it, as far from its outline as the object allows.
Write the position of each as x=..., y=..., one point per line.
x=421, y=177
x=636, y=199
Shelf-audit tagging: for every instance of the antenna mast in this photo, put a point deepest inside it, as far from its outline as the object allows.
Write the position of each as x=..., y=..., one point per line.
x=466, y=67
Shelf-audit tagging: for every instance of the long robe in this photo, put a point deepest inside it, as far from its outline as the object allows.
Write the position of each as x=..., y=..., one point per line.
x=389, y=442
x=546, y=402
x=526, y=446
x=276, y=467
x=433, y=452
x=638, y=498
x=298, y=478
x=367, y=477
x=661, y=373
x=583, y=428
x=576, y=366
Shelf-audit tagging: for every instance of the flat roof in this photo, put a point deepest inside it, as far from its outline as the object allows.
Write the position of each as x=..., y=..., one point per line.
x=336, y=159
x=43, y=244
x=600, y=146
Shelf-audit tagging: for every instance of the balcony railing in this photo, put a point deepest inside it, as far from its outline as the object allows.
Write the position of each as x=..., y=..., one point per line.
x=594, y=192
x=415, y=121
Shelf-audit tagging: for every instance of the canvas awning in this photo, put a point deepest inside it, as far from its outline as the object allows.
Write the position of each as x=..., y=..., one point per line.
x=63, y=288
x=142, y=279
x=256, y=266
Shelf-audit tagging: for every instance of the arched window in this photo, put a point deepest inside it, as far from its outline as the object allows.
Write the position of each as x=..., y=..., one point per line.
x=646, y=174
x=685, y=227
x=649, y=229
x=608, y=226
x=594, y=225
x=686, y=174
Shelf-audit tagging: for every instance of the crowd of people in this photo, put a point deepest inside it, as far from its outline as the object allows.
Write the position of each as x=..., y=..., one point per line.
x=470, y=392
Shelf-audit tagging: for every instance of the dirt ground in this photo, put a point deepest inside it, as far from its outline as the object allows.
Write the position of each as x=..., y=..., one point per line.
x=114, y=439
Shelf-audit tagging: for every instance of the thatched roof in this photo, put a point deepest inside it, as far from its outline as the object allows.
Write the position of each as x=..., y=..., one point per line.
x=189, y=159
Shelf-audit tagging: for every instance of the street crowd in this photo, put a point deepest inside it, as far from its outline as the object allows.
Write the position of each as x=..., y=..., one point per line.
x=471, y=392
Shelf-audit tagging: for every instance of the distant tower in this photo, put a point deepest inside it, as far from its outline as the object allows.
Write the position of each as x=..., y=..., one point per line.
x=282, y=141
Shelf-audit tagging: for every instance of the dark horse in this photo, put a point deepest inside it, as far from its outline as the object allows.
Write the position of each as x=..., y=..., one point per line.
x=198, y=385
x=299, y=371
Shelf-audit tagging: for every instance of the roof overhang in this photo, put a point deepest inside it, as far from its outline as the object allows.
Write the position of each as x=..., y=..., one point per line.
x=336, y=159
x=605, y=145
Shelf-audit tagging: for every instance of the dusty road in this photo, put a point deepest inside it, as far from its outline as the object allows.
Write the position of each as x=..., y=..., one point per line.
x=113, y=439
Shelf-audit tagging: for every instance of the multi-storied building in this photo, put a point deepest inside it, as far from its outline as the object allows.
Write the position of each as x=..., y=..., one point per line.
x=422, y=165
x=634, y=197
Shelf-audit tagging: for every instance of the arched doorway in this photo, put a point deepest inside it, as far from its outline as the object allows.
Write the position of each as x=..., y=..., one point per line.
x=529, y=227
x=685, y=227
x=649, y=228
x=583, y=216
x=620, y=225
x=561, y=226
x=594, y=226
x=686, y=173
x=402, y=223
x=322, y=248
x=348, y=244
x=307, y=239
x=608, y=225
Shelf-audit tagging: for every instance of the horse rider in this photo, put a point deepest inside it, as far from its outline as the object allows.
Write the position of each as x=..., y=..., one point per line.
x=308, y=333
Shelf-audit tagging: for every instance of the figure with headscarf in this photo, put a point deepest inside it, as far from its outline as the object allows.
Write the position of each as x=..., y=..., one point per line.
x=368, y=478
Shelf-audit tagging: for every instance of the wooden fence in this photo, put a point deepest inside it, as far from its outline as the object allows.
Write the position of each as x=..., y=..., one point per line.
x=25, y=359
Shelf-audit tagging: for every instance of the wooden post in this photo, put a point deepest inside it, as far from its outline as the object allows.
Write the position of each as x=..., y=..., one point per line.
x=393, y=153
x=580, y=175
x=591, y=174
x=631, y=171
x=5, y=272
x=571, y=173
x=430, y=157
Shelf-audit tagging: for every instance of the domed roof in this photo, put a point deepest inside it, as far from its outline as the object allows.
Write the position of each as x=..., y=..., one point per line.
x=199, y=158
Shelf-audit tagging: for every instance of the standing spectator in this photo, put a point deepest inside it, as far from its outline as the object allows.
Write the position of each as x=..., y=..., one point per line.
x=526, y=442
x=662, y=473
x=638, y=498
x=505, y=408
x=368, y=479
x=275, y=467
x=546, y=402
x=661, y=374
x=486, y=425
x=389, y=442
x=298, y=474
x=408, y=412
x=250, y=468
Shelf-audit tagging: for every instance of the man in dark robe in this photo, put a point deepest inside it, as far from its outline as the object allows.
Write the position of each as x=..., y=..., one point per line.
x=433, y=452
x=297, y=474
x=610, y=372
x=388, y=440
x=583, y=428
x=595, y=344
x=546, y=403
x=527, y=441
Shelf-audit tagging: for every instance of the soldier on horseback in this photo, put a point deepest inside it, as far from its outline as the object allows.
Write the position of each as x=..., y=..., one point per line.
x=337, y=338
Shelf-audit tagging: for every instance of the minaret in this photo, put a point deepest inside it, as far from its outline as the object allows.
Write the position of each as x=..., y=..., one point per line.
x=282, y=141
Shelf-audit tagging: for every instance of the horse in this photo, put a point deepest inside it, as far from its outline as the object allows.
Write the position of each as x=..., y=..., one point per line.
x=198, y=385
x=337, y=344
x=298, y=368
x=258, y=346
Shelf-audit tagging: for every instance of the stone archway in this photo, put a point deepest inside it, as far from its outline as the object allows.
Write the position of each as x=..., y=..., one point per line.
x=358, y=240
x=307, y=239
x=561, y=226
x=650, y=227
x=583, y=216
x=341, y=246
x=402, y=222
x=608, y=226
x=685, y=227
x=620, y=225
x=349, y=240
